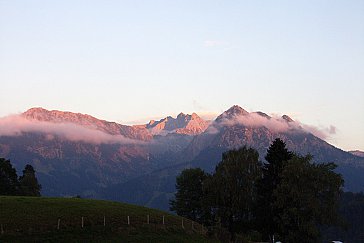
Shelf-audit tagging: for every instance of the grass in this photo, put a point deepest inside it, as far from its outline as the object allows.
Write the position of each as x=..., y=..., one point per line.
x=33, y=219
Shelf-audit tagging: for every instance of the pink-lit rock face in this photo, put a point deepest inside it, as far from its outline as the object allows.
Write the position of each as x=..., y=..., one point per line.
x=87, y=155
x=233, y=112
x=112, y=128
x=182, y=124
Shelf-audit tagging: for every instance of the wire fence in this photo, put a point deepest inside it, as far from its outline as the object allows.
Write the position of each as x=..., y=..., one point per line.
x=109, y=222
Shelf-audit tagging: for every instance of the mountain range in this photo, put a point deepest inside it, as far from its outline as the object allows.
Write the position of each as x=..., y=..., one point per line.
x=77, y=154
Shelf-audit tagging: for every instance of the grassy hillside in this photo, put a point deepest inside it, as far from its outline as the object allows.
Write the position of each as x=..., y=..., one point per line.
x=38, y=219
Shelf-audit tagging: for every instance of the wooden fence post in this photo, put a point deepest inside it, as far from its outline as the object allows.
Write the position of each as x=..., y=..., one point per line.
x=104, y=220
x=128, y=220
x=148, y=219
x=81, y=222
x=2, y=229
x=163, y=219
x=58, y=223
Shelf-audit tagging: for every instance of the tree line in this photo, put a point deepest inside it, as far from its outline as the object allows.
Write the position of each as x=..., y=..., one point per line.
x=286, y=198
x=12, y=185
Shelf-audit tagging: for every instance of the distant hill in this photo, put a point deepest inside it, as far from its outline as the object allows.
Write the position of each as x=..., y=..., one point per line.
x=28, y=219
x=77, y=154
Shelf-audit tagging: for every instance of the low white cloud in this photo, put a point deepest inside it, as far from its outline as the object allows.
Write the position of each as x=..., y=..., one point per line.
x=16, y=125
x=321, y=132
x=275, y=124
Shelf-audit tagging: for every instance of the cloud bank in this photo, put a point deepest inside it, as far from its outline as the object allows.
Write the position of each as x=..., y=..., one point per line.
x=16, y=125
x=275, y=124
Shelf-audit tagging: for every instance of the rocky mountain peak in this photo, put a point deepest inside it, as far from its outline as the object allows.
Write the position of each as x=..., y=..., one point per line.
x=182, y=124
x=262, y=114
x=287, y=118
x=194, y=116
x=56, y=116
x=232, y=112
x=87, y=121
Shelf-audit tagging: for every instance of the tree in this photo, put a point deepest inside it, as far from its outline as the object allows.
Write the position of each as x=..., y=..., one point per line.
x=188, y=200
x=277, y=157
x=9, y=184
x=307, y=197
x=28, y=182
x=234, y=186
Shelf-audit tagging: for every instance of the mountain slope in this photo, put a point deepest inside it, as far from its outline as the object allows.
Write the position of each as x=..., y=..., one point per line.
x=357, y=153
x=233, y=129
x=76, y=154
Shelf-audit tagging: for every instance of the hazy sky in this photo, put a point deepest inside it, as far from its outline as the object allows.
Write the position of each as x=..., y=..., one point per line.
x=134, y=60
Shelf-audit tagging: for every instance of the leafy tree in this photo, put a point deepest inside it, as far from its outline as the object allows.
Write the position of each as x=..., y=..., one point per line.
x=234, y=186
x=352, y=212
x=188, y=200
x=306, y=197
x=276, y=158
x=28, y=182
x=9, y=184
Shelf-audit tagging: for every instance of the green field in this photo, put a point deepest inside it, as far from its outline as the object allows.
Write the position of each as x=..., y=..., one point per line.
x=42, y=219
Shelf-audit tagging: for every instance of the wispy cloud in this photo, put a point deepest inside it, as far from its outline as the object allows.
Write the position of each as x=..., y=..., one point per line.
x=16, y=125
x=276, y=124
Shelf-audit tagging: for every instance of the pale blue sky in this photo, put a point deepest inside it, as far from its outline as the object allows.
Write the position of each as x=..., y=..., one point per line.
x=135, y=60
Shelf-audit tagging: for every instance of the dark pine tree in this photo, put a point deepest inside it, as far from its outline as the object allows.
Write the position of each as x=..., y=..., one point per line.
x=29, y=185
x=276, y=158
x=9, y=184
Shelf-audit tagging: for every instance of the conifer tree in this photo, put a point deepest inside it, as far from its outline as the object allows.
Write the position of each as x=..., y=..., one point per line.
x=28, y=182
x=9, y=184
x=276, y=158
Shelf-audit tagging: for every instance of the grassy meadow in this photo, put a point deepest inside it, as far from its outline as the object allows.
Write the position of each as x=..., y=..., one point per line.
x=42, y=219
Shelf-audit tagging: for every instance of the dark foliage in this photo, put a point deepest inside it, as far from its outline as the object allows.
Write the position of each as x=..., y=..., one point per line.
x=26, y=185
x=306, y=198
x=289, y=197
x=188, y=200
x=28, y=182
x=9, y=184
x=352, y=212
x=277, y=157
x=234, y=189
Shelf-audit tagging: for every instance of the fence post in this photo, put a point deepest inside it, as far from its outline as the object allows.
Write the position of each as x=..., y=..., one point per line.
x=2, y=229
x=104, y=220
x=58, y=223
x=163, y=219
x=81, y=222
x=128, y=220
x=148, y=218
